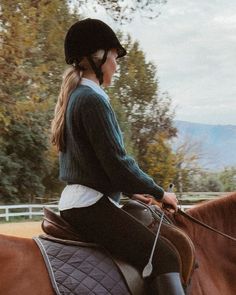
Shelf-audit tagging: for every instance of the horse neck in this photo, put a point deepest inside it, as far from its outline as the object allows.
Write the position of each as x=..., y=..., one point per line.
x=217, y=213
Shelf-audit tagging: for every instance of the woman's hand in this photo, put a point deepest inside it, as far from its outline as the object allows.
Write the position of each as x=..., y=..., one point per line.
x=170, y=200
x=147, y=199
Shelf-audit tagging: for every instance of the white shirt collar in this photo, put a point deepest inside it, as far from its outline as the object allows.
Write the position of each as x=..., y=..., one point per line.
x=94, y=86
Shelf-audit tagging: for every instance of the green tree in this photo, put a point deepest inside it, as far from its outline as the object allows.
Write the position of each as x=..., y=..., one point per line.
x=31, y=66
x=23, y=161
x=228, y=179
x=213, y=184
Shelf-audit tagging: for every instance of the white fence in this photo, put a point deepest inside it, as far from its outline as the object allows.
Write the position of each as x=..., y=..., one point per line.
x=24, y=210
x=30, y=210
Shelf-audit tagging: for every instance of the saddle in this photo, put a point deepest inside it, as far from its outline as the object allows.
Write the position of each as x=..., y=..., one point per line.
x=58, y=230
x=53, y=225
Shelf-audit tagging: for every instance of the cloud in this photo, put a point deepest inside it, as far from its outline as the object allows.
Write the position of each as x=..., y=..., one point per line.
x=194, y=44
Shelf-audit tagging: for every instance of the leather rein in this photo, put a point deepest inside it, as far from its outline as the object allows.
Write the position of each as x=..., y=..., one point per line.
x=193, y=219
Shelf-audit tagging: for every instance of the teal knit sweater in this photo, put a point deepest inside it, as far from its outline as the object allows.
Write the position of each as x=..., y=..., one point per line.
x=95, y=155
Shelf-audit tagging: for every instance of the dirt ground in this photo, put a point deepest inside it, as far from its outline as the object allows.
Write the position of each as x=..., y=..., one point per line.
x=21, y=229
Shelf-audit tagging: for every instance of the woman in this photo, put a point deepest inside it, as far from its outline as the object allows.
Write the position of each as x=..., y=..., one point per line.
x=93, y=160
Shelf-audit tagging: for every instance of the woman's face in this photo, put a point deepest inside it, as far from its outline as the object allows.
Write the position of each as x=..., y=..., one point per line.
x=109, y=67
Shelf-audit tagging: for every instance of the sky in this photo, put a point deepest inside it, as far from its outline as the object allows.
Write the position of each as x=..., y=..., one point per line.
x=193, y=44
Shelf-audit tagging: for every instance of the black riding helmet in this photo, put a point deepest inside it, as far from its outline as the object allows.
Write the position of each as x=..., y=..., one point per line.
x=87, y=36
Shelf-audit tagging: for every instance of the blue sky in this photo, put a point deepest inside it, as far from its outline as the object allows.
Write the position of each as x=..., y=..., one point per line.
x=193, y=44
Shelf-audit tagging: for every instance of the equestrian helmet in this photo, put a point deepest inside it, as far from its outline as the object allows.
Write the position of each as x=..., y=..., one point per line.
x=87, y=36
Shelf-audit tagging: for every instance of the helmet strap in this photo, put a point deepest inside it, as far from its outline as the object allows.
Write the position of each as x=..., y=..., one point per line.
x=98, y=69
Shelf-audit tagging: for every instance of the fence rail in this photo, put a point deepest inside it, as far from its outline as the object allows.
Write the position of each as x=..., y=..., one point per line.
x=30, y=210
x=25, y=210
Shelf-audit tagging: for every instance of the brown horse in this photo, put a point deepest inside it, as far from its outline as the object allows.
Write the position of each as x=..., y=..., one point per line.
x=23, y=270
x=216, y=255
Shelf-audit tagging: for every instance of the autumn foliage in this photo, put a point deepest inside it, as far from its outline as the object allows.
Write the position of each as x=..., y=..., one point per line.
x=32, y=62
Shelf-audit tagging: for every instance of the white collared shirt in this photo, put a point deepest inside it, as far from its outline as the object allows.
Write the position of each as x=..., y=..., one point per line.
x=94, y=86
x=77, y=195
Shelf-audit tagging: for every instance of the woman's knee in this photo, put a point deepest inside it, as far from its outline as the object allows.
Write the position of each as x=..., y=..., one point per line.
x=166, y=258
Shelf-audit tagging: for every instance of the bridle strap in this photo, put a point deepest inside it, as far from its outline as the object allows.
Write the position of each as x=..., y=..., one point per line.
x=193, y=219
x=98, y=69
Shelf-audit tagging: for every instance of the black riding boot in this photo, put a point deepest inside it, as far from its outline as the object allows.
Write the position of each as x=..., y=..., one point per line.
x=167, y=284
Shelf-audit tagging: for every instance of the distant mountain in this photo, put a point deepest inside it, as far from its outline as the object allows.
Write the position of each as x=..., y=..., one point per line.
x=216, y=142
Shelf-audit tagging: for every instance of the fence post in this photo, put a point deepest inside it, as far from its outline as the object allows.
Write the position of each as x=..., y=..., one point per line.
x=30, y=212
x=7, y=213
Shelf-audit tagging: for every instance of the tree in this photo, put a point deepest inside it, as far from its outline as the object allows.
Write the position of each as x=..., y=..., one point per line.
x=32, y=61
x=228, y=179
x=212, y=183
x=160, y=161
x=124, y=11
x=206, y=181
x=23, y=161
x=31, y=66
x=53, y=186
x=187, y=155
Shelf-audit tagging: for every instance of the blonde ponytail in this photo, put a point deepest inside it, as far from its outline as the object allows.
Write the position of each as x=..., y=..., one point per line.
x=70, y=80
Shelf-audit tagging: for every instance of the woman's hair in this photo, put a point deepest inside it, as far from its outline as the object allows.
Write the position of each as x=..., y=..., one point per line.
x=70, y=80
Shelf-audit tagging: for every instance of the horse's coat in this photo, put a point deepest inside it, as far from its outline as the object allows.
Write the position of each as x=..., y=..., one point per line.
x=216, y=255
x=23, y=270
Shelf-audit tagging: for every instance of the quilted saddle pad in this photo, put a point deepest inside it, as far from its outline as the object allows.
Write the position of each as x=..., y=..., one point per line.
x=81, y=270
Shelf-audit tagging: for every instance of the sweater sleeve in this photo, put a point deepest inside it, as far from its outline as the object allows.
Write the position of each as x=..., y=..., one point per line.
x=105, y=137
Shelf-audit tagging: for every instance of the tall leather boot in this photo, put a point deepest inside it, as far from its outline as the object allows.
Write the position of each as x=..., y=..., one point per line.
x=166, y=284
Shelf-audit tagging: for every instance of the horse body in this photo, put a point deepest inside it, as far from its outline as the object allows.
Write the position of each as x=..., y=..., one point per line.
x=23, y=270
x=216, y=255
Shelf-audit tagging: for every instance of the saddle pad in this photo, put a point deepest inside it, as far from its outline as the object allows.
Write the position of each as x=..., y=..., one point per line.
x=81, y=270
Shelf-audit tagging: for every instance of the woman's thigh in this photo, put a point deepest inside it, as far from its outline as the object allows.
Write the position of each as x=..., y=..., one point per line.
x=122, y=235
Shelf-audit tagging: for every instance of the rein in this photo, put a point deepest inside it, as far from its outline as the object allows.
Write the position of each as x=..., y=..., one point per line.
x=186, y=215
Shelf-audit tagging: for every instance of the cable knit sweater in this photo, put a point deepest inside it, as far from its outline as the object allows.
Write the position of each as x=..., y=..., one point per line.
x=95, y=155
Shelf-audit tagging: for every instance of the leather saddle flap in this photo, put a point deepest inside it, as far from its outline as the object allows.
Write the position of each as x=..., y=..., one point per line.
x=180, y=241
x=57, y=227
